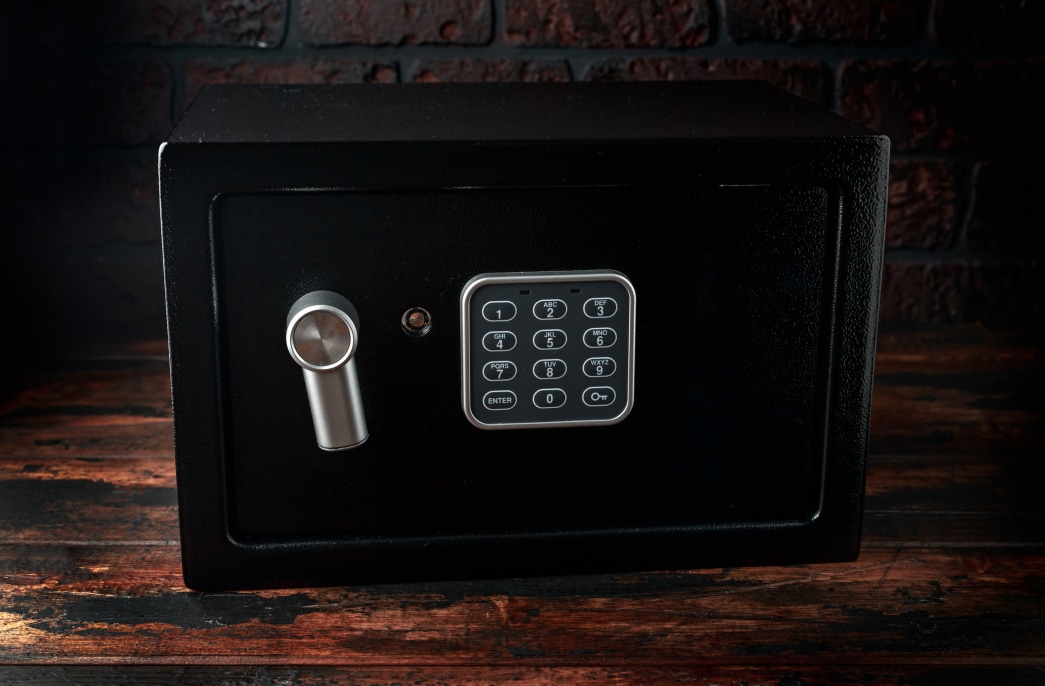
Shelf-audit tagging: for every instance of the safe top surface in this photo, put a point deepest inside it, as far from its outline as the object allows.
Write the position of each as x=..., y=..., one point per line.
x=573, y=112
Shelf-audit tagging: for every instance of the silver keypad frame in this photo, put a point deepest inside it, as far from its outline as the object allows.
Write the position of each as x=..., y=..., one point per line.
x=493, y=404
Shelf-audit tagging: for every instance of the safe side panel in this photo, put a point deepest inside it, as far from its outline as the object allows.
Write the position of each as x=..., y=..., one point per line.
x=727, y=424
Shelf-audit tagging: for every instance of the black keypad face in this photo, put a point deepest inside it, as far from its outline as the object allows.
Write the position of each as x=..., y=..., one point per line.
x=548, y=349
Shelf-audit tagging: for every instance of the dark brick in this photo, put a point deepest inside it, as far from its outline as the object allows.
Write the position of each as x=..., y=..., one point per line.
x=396, y=22
x=922, y=205
x=1007, y=213
x=200, y=73
x=85, y=296
x=997, y=293
x=1007, y=108
x=1008, y=24
x=850, y=22
x=85, y=102
x=919, y=105
x=946, y=105
x=807, y=79
x=254, y=23
x=473, y=70
x=607, y=23
x=82, y=201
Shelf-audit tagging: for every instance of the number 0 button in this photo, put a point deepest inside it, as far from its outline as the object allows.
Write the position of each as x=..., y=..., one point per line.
x=548, y=398
x=499, y=341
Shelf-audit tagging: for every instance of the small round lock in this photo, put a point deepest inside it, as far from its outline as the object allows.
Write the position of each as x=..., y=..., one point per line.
x=416, y=321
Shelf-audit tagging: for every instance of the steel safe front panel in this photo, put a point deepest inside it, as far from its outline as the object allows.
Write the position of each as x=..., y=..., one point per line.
x=694, y=447
x=743, y=342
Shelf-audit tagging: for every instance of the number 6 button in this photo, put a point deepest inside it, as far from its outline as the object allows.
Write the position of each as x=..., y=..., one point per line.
x=600, y=338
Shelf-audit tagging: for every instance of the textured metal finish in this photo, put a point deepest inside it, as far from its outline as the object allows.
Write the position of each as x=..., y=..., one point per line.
x=751, y=223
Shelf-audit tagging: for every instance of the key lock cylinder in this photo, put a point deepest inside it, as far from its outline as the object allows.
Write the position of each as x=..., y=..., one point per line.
x=322, y=336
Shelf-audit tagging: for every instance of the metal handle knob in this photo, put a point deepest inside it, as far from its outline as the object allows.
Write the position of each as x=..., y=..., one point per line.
x=322, y=335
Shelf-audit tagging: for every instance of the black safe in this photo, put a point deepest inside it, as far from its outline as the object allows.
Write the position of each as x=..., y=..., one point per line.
x=425, y=332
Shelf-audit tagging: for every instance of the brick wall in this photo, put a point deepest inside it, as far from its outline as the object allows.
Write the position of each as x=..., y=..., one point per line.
x=91, y=88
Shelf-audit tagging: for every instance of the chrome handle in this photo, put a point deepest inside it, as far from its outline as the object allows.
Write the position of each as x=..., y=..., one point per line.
x=322, y=336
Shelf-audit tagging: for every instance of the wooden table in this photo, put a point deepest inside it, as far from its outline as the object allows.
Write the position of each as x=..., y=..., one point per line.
x=949, y=587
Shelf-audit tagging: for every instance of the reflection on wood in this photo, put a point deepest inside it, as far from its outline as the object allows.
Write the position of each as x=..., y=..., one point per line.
x=947, y=587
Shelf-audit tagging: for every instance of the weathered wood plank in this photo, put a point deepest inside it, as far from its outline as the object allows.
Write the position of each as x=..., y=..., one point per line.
x=146, y=438
x=955, y=483
x=956, y=348
x=91, y=398
x=947, y=588
x=848, y=673
x=87, y=603
x=132, y=473
x=957, y=390
x=933, y=413
x=88, y=499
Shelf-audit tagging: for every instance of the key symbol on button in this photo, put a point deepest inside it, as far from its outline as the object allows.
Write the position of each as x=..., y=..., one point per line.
x=599, y=396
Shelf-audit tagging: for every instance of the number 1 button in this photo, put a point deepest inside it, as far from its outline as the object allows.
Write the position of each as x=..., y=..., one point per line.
x=499, y=311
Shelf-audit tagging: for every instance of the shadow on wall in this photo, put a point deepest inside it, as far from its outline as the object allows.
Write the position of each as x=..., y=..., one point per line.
x=92, y=88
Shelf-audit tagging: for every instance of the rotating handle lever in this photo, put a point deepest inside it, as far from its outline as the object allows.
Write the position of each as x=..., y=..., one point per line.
x=322, y=335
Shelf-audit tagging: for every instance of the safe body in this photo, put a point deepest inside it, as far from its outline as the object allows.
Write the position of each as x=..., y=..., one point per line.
x=742, y=383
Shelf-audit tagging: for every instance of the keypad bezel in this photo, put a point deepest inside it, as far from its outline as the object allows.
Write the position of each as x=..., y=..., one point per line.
x=525, y=290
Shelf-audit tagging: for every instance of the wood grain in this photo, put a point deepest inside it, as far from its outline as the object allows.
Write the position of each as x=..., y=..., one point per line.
x=890, y=602
x=947, y=589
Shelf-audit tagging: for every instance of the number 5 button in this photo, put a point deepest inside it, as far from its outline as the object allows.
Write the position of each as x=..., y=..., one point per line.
x=549, y=339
